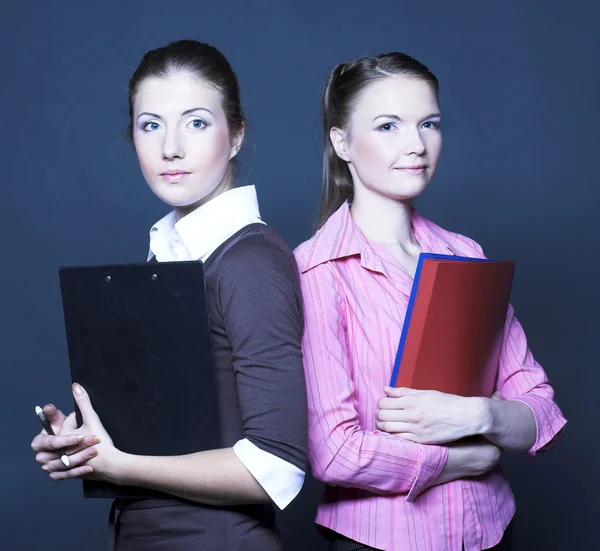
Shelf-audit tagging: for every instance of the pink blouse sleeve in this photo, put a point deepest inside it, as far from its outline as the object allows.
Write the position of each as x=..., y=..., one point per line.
x=522, y=378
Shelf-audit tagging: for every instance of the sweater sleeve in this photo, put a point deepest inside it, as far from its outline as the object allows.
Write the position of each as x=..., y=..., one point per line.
x=259, y=295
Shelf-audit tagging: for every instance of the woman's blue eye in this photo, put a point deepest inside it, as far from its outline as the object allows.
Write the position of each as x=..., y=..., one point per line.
x=197, y=124
x=151, y=126
x=431, y=124
x=386, y=127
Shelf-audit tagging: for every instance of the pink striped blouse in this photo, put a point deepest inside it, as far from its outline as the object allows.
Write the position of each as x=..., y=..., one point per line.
x=378, y=486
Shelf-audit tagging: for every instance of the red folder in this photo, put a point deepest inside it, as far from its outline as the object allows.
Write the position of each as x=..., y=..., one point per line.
x=452, y=335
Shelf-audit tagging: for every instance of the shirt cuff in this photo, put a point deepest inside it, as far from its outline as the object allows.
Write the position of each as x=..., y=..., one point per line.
x=432, y=461
x=549, y=420
x=281, y=480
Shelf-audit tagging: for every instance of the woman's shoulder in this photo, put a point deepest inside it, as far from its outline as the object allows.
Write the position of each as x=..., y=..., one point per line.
x=315, y=255
x=336, y=240
x=303, y=251
x=256, y=246
x=458, y=243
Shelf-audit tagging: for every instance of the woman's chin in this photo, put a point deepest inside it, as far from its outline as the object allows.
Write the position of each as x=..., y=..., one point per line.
x=179, y=200
x=178, y=197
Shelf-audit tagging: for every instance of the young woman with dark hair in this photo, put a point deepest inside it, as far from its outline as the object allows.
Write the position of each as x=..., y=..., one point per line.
x=187, y=126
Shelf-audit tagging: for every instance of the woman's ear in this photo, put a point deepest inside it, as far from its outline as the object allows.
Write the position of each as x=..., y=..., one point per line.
x=339, y=140
x=236, y=141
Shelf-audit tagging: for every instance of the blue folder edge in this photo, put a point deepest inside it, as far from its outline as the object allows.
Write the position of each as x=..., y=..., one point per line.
x=411, y=301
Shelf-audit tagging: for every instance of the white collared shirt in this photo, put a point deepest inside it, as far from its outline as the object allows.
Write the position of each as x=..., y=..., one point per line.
x=195, y=237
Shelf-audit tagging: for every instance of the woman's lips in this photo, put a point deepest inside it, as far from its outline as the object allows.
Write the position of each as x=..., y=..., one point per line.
x=415, y=169
x=174, y=176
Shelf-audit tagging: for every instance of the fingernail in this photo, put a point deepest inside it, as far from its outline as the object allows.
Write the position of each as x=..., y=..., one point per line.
x=93, y=452
x=79, y=439
x=77, y=388
x=96, y=440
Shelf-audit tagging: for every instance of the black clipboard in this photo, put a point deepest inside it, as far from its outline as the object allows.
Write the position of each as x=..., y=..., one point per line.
x=138, y=338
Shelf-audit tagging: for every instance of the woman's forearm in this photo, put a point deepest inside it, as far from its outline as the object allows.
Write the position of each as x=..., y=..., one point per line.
x=215, y=477
x=468, y=459
x=509, y=424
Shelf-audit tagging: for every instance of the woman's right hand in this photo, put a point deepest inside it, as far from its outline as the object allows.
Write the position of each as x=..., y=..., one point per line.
x=472, y=458
x=77, y=447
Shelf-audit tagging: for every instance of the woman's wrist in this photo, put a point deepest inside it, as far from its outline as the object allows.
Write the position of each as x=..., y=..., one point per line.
x=120, y=469
x=481, y=415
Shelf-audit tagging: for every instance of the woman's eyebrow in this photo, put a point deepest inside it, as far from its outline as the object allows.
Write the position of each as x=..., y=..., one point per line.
x=186, y=112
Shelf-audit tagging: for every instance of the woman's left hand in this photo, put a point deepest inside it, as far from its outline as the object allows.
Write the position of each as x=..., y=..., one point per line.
x=429, y=416
x=105, y=458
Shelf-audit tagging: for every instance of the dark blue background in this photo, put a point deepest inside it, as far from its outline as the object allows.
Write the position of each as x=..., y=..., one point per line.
x=519, y=87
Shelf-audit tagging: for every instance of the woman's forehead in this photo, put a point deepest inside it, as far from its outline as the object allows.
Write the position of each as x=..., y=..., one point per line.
x=178, y=91
x=405, y=97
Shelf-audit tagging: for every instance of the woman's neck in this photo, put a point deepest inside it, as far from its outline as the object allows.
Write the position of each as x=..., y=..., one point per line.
x=382, y=219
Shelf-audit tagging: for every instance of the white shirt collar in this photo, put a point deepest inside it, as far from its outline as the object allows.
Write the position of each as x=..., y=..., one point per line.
x=197, y=235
